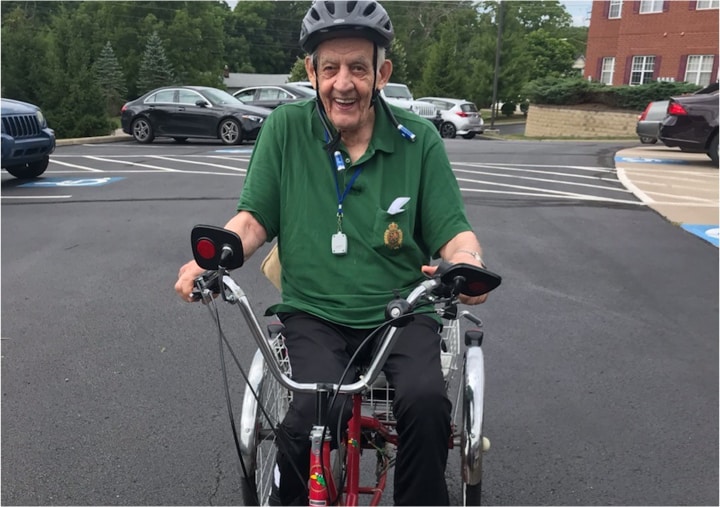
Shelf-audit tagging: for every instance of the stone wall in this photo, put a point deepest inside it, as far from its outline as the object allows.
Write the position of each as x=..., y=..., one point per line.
x=579, y=121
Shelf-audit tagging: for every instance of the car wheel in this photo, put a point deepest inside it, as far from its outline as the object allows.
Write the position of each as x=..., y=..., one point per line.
x=30, y=170
x=648, y=140
x=448, y=130
x=713, y=151
x=180, y=139
x=142, y=131
x=230, y=131
x=469, y=135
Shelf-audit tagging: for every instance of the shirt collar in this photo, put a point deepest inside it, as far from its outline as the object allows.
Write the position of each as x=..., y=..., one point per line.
x=384, y=137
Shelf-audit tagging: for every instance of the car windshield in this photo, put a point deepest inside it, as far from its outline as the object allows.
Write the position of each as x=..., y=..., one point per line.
x=219, y=96
x=397, y=92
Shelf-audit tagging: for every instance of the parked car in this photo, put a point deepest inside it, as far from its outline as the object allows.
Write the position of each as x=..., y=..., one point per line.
x=460, y=117
x=27, y=141
x=648, y=124
x=272, y=96
x=691, y=124
x=181, y=112
x=399, y=95
x=304, y=84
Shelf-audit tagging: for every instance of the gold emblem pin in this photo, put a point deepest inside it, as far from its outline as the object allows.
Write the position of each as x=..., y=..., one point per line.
x=393, y=236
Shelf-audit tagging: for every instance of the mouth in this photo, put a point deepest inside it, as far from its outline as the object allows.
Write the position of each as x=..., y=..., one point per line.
x=344, y=103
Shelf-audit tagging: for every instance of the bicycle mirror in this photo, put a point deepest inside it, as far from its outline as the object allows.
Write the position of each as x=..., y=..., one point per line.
x=477, y=281
x=214, y=247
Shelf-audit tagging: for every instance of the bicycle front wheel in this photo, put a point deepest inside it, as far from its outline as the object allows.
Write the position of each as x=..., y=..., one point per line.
x=257, y=433
x=471, y=447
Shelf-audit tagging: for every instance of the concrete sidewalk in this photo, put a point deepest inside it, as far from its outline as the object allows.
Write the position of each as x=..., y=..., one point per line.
x=116, y=136
x=682, y=187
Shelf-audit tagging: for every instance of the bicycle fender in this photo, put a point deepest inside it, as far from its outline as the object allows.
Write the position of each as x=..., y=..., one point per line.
x=248, y=416
x=473, y=403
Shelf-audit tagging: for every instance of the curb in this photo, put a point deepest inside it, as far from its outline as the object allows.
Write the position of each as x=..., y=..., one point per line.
x=117, y=136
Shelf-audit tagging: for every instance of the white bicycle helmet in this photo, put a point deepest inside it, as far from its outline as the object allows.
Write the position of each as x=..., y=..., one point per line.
x=328, y=19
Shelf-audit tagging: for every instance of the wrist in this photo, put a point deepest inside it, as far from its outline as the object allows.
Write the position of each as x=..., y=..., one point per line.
x=476, y=255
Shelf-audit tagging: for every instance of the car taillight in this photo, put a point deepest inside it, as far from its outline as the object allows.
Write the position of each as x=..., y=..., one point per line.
x=675, y=109
x=122, y=110
x=645, y=113
x=462, y=114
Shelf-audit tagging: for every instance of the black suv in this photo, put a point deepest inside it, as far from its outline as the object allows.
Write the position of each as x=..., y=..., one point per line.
x=27, y=142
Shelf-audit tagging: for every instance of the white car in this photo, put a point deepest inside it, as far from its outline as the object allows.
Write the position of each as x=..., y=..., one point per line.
x=399, y=95
x=460, y=117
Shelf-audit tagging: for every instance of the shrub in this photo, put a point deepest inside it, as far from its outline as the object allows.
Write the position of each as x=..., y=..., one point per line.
x=572, y=91
x=508, y=108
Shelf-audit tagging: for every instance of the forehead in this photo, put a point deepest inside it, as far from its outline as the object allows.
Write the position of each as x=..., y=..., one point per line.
x=345, y=48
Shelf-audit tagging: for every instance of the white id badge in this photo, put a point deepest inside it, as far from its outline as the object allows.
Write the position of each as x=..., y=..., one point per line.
x=339, y=244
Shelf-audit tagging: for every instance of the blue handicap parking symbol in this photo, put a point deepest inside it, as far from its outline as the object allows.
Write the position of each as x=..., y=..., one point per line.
x=710, y=233
x=71, y=182
x=643, y=160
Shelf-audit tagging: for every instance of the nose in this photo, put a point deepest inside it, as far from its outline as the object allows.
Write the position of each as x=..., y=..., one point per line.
x=343, y=80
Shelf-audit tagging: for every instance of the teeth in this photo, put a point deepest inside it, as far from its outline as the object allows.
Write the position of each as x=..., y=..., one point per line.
x=345, y=101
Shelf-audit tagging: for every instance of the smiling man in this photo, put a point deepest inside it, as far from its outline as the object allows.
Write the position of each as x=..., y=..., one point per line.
x=360, y=196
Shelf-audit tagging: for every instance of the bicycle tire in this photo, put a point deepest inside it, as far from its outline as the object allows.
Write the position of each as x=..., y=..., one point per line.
x=257, y=438
x=471, y=444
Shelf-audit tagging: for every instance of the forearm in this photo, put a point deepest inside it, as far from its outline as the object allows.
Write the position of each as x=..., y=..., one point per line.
x=253, y=234
x=462, y=248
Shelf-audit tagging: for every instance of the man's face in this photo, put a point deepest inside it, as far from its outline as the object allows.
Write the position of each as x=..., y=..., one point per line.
x=345, y=81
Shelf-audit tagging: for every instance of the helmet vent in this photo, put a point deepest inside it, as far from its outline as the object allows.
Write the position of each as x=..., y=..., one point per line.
x=315, y=14
x=330, y=6
x=369, y=9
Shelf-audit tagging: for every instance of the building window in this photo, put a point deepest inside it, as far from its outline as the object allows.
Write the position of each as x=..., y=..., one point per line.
x=699, y=69
x=650, y=6
x=615, y=9
x=607, y=69
x=707, y=4
x=642, y=69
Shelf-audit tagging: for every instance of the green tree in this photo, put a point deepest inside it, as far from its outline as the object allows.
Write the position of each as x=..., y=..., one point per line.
x=24, y=45
x=110, y=76
x=155, y=69
x=297, y=72
x=549, y=55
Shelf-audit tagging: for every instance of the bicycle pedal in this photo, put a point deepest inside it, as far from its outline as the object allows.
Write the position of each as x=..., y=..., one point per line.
x=485, y=444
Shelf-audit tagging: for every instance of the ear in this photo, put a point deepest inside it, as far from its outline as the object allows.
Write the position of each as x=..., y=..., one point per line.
x=310, y=71
x=385, y=71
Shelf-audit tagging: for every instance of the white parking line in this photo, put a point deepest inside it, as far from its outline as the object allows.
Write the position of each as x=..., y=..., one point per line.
x=35, y=197
x=185, y=161
x=66, y=164
x=166, y=169
x=547, y=180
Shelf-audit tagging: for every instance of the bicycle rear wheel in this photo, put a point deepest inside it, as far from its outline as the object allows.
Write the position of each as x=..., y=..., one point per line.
x=471, y=445
x=257, y=436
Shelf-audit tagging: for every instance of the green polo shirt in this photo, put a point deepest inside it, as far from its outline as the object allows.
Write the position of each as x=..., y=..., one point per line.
x=290, y=189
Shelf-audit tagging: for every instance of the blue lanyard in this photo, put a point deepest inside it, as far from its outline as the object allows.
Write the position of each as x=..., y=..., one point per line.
x=340, y=166
x=341, y=198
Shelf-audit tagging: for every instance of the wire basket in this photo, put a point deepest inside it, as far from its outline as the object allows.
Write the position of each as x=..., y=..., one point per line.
x=378, y=400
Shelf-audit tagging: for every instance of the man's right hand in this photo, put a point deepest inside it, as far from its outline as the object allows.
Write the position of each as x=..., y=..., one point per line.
x=186, y=280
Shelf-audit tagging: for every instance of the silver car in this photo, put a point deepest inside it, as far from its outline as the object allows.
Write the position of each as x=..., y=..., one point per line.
x=460, y=117
x=648, y=125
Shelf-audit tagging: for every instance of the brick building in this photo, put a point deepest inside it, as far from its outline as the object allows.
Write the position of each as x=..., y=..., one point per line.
x=636, y=41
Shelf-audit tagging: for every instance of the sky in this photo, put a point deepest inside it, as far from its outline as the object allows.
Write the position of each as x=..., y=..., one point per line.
x=579, y=10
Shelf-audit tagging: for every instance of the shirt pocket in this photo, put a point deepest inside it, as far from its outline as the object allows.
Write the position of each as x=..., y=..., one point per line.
x=391, y=233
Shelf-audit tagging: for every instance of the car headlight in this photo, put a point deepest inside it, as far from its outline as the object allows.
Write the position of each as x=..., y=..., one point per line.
x=252, y=117
x=41, y=119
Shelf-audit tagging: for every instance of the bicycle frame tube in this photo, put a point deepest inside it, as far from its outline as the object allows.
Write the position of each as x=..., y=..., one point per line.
x=321, y=484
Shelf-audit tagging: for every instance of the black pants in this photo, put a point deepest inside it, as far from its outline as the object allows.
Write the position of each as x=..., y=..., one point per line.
x=319, y=352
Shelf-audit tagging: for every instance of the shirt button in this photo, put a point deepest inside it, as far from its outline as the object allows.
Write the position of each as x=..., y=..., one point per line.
x=347, y=160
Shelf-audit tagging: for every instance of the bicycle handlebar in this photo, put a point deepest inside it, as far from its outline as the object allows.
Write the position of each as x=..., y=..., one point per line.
x=449, y=281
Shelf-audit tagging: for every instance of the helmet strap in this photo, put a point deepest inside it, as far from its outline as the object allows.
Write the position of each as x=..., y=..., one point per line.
x=375, y=92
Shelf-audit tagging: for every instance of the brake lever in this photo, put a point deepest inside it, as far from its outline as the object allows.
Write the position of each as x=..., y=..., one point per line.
x=208, y=281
